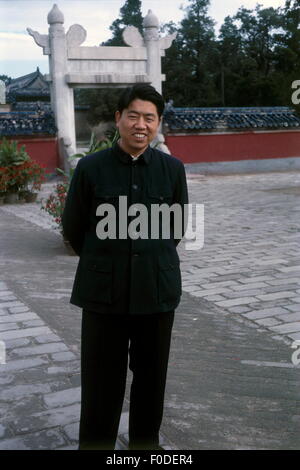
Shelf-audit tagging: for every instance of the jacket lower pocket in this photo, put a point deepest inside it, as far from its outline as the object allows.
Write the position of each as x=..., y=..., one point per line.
x=169, y=282
x=96, y=284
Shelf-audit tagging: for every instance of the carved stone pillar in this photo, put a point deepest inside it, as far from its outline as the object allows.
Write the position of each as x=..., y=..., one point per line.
x=62, y=95
x=152, y=42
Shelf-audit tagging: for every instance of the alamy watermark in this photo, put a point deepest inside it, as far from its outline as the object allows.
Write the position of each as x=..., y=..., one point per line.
x=2, y=352
x=187, y=222
x=296, y=354
x=296, y=94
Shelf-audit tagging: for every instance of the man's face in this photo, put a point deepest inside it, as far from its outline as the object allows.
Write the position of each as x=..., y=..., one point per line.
x=138, y=125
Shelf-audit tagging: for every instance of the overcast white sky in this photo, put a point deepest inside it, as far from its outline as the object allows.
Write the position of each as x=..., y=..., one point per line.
x=19, y=54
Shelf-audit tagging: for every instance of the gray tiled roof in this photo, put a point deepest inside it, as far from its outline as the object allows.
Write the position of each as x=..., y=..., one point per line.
x=27, y=123
x=31, y=85
x=229, y=119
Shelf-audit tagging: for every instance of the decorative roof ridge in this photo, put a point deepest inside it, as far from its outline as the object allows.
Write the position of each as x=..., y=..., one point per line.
x=242, y=109
x=26, y=79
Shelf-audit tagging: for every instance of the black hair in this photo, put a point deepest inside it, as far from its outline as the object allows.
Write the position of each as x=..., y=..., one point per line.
x=143, y=92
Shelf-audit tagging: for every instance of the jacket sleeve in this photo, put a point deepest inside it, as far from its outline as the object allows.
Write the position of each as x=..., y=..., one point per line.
x=77, y=207
x=181, y=197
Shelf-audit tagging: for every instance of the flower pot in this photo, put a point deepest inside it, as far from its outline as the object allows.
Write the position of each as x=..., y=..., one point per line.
x=11, y=198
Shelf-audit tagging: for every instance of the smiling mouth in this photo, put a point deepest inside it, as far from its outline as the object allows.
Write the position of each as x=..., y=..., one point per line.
x=139, y=136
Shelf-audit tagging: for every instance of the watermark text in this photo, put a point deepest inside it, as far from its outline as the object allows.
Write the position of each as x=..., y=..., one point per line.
x=163, y=222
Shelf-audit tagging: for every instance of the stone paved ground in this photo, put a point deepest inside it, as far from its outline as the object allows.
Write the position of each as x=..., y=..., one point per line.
x=231, y=382
x=250, y=262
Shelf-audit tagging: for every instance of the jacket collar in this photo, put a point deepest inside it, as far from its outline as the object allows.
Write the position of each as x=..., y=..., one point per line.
x=127, y=159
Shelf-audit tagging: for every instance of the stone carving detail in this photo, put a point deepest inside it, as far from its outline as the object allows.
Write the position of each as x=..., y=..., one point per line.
x=41, y=40
x=132, y=37
x=166, y=42
x=151, y=34
x=76, y=35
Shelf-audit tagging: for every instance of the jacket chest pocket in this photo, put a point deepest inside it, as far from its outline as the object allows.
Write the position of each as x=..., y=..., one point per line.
x=97, y=283
x=160, y=196
x=104, y=196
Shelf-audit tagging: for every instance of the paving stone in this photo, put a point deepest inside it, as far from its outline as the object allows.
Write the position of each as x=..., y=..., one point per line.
x=282, y=281
x=19, y=391
x=277, y=295
x=241, y=309
x=7, y=298
x=63, y=356
x=296, y=299
x=205, y=293
x=25, y=332
x=23, y=364
x=48, y=338
x=216, y=285
x=63, y=397
x=40, y=349
x=18, y=317
x=69, y=368
x=48, y=419
x=10, y=304
x=270, y=321
x=243, y=293
x=268, y=312
x=293, y=308
x=287, y=327
x=18, y=342
x=5, y=293
x=238, y=301
x=294, y=336
x=19, y=309
x=253, y=285
x=72, y=431
x=2, y=431
x=256, y=279
x=29, y=323
x=290, y=269
x=214, y=298
x=42, y=440
x=289, y=317
x=7, y=326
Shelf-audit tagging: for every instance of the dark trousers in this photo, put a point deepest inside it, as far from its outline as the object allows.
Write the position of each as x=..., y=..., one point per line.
x=107, y=341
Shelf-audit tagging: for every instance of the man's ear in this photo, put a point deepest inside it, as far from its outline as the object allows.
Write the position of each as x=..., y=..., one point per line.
x=117, y=116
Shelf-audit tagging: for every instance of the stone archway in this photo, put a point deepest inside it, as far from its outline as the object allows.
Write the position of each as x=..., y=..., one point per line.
x=72, y=65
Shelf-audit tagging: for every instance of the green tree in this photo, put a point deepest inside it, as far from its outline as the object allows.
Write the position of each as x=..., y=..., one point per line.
x=230, y=57
x=130, y=15
x=5, y=79
x=288, y=49
x=247, y=44
x=191, y=59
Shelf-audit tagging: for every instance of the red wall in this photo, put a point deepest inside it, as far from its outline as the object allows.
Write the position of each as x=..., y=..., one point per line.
x=234, y=147
x=42, y=149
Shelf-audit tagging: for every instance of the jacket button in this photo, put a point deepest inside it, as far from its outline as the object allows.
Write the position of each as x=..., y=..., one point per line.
x=135, y=186
x=135, y=254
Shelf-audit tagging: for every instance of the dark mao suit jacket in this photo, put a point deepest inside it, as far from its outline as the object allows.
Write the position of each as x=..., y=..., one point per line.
x=125, y=274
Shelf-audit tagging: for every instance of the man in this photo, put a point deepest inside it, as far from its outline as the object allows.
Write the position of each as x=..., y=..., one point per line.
x=127, y=283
